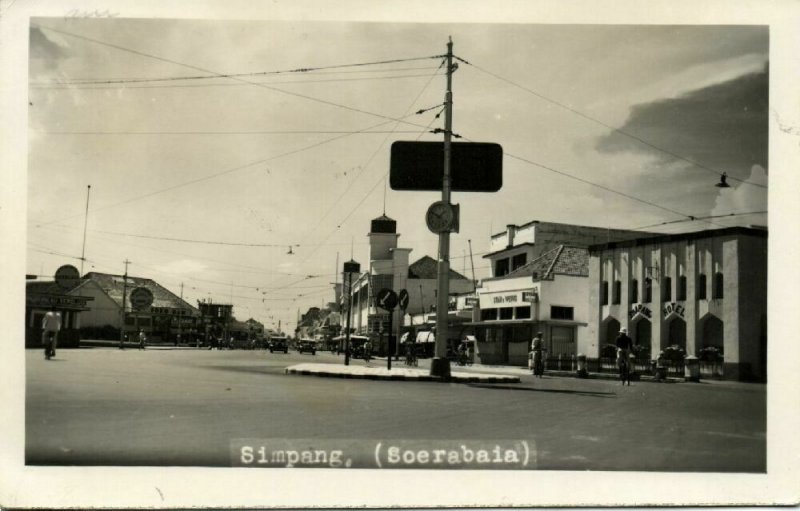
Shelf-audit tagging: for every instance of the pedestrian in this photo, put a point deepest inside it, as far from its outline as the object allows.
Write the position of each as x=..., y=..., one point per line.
x=624, y=346
x=142, y=339
x=536, y=355
x=51, y=325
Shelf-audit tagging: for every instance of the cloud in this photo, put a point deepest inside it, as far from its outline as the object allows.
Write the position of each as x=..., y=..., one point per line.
x=44, y=53
x=722, y=126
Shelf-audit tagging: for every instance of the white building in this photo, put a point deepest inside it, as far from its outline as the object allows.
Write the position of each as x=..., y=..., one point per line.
x=389, y=267
x=539, y=283
x=694, y=290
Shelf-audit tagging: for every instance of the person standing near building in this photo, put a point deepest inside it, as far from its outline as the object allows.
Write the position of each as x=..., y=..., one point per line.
x=142, y=339
x=51, y=325
x=537, y=355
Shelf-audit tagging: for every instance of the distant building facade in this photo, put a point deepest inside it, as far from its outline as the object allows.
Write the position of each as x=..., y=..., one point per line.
x=389, y=267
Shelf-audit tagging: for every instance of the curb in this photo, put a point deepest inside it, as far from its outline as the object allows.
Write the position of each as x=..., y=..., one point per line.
x=403, y=377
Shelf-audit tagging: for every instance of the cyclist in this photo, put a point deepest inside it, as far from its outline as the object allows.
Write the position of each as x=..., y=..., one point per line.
x=462, y=354
x=411, y=359
x=51, y=324
x=624, y=347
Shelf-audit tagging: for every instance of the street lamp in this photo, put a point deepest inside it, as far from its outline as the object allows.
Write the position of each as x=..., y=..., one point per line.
x=350, y=267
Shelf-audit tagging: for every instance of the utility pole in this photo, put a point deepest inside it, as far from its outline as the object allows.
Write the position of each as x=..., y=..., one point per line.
x=180, y=315
x=85, y=221
x=440, y=365
x=122, y=312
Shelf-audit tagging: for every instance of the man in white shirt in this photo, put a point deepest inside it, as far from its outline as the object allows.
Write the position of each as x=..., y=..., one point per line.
x=51, y=325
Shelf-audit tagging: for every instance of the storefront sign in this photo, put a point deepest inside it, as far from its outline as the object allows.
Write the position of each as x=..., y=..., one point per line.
x=640, y=309
x=57, y=301
x=507, y=299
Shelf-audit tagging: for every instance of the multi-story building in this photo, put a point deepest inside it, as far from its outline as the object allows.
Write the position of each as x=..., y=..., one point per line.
x=389, y=267
x=694, y=290
x=539, y=283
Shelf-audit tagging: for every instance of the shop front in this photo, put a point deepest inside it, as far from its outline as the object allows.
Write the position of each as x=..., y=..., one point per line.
x=41, y=297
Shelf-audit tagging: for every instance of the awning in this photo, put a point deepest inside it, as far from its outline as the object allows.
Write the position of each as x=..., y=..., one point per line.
x=425, y=337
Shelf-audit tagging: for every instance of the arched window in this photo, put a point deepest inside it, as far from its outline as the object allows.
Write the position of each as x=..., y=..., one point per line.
x=648, y=290
x=634, y=291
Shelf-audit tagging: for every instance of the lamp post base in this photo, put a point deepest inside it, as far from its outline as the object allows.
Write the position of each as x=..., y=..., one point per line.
x=440, y=368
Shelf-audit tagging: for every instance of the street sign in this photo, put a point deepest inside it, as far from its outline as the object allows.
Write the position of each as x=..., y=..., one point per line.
x=402, y=299
x=386, y=299
x=67, y=276
x=141, y=298
x=474, y=166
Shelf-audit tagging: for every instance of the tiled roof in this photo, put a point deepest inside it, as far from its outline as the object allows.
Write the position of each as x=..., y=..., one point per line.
x=113, y=285
x=425, y=268
x=562, y=260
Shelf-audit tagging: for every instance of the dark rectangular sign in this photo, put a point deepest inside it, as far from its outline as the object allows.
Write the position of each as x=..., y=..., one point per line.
x=474, y=166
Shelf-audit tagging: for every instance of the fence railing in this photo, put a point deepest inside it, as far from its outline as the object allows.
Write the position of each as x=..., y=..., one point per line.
x=674, y=368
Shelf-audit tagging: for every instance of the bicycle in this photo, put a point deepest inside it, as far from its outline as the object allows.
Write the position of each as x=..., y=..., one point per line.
x=463, y=359
x=49, y=345
x=623, y=364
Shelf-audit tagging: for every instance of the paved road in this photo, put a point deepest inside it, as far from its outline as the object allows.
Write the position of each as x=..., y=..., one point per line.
x=105, y=406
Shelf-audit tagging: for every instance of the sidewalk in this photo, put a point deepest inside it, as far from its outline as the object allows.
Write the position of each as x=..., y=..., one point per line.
x=398, y=373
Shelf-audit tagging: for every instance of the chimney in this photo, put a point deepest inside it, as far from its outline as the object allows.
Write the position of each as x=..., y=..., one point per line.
x=511, y=230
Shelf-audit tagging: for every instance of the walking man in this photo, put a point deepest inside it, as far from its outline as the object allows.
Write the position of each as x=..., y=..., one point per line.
x=537, y=355
x=142, y=339
x=51, y=325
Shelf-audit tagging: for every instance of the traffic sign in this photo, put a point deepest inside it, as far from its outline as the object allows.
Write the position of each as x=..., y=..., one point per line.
x=67, y=276
x=141, y=298
x=402, y=299
x=386, y=299
x=474, y=166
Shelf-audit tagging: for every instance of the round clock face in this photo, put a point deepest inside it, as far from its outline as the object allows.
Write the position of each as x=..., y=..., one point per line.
x=439, y=217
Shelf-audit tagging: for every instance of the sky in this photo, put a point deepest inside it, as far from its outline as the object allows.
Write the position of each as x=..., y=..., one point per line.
x=204, y=184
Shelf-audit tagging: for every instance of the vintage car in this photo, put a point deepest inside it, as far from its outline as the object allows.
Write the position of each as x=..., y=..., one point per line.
x=307, y=346
x=278, y=343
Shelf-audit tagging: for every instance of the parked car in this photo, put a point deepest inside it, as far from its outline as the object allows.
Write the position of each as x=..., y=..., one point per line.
x=278, y=344
x=306, y=346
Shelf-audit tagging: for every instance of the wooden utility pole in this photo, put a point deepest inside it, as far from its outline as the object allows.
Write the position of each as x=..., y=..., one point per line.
x=85, y=221
x=122, y=312
x=440, y=365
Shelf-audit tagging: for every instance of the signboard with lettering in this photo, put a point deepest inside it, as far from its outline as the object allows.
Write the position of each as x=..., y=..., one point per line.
x=639, y=308
x=507, y=299
x=141, y=298
x=67, y=276
x=672, y=310
x=61, y=301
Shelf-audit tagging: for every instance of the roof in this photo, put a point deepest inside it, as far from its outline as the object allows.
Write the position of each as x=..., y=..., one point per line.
x=426, y=268
x=686, y=236
x=113, y=285
x=507, y=249
x=562, y=260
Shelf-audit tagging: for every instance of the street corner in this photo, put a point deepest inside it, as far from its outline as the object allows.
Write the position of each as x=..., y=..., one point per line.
x=397, y=374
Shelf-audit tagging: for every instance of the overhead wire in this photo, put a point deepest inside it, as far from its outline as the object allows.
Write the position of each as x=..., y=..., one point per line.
x=608, y=126
x=67, y=86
